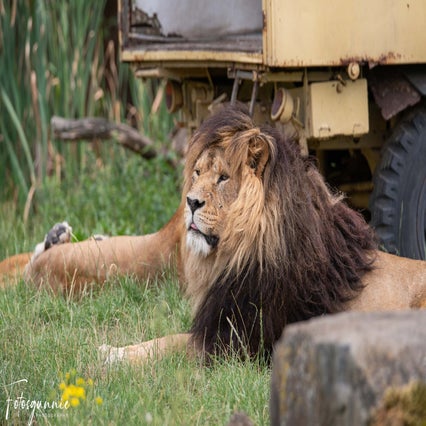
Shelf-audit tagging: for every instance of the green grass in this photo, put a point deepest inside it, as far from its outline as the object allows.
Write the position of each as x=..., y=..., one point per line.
x=44, y=336
x=120, y=195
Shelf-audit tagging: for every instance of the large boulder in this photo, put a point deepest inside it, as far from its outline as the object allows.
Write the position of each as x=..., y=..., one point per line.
x=351, y=369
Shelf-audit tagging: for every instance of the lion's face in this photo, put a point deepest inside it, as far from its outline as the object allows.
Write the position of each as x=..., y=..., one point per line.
x=211, y=192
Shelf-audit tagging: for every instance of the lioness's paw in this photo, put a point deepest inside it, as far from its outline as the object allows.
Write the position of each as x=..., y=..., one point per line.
x=110, y=355
x=59, y=234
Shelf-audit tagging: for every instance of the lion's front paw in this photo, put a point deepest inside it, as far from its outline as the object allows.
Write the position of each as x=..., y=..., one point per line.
x=110, y=355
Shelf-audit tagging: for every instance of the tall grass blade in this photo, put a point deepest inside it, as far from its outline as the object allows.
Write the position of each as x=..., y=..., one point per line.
x=21, y=134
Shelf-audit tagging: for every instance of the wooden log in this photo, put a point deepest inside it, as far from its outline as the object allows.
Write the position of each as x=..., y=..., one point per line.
x=100, y=128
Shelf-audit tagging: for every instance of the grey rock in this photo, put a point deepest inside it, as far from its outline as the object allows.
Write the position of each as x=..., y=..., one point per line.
x=337, y=369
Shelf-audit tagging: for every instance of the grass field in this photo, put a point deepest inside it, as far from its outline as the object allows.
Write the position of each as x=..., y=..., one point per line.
x=48, y=348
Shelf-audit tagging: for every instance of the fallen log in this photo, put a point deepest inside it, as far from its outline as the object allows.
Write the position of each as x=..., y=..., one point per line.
x=100, y=128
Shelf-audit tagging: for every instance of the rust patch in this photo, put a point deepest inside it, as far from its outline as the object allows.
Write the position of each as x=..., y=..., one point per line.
x=384, y=59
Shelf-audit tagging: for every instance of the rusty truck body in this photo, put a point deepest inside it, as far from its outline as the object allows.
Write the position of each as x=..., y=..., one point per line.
x=348, y=79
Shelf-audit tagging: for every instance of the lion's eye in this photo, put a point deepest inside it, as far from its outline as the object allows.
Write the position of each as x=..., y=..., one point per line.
x=222, y=178
x=197, y=172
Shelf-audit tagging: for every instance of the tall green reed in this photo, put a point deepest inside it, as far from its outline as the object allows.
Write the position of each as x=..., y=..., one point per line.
x=49, y=56
x=55, y=59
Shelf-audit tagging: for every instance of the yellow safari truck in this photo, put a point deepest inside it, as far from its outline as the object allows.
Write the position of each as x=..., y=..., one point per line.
x=347, y=78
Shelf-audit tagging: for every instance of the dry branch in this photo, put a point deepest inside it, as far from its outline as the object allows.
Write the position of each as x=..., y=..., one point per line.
x=100, y=128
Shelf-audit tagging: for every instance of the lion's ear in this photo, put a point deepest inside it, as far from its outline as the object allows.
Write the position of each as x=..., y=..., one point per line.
x=259, y=152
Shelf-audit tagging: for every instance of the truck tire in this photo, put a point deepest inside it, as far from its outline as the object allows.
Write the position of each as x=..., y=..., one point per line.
x=398, y=200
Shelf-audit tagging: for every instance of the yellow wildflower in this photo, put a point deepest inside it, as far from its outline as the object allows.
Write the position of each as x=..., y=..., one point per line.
x=75, y=402
x=80, y=381
x=77, y=391
x=66, y=395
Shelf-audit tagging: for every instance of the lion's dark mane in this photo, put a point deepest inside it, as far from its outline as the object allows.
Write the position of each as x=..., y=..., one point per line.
x=326, y=250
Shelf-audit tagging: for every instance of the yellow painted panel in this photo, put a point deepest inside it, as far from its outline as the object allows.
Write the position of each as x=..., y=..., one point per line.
x=337, y=109
x=334, y=32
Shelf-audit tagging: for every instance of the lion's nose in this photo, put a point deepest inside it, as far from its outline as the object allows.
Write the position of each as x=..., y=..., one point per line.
x=194, y=204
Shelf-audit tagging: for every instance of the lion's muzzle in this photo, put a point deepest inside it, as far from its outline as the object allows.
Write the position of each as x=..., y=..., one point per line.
x=194, y=204
x=198, y=238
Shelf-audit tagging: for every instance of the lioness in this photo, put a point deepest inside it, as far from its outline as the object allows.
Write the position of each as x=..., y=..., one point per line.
x=259, y=241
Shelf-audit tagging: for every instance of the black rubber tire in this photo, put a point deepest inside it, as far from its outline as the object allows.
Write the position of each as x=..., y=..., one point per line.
x=398, y=201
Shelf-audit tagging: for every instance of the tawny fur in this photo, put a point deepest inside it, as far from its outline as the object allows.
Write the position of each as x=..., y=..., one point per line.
x=265, y=243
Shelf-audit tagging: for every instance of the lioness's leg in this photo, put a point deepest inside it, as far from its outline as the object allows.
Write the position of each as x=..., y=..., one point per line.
x=70, y=267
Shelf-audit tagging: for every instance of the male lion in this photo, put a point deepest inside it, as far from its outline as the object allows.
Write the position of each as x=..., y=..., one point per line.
x=259, y=241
